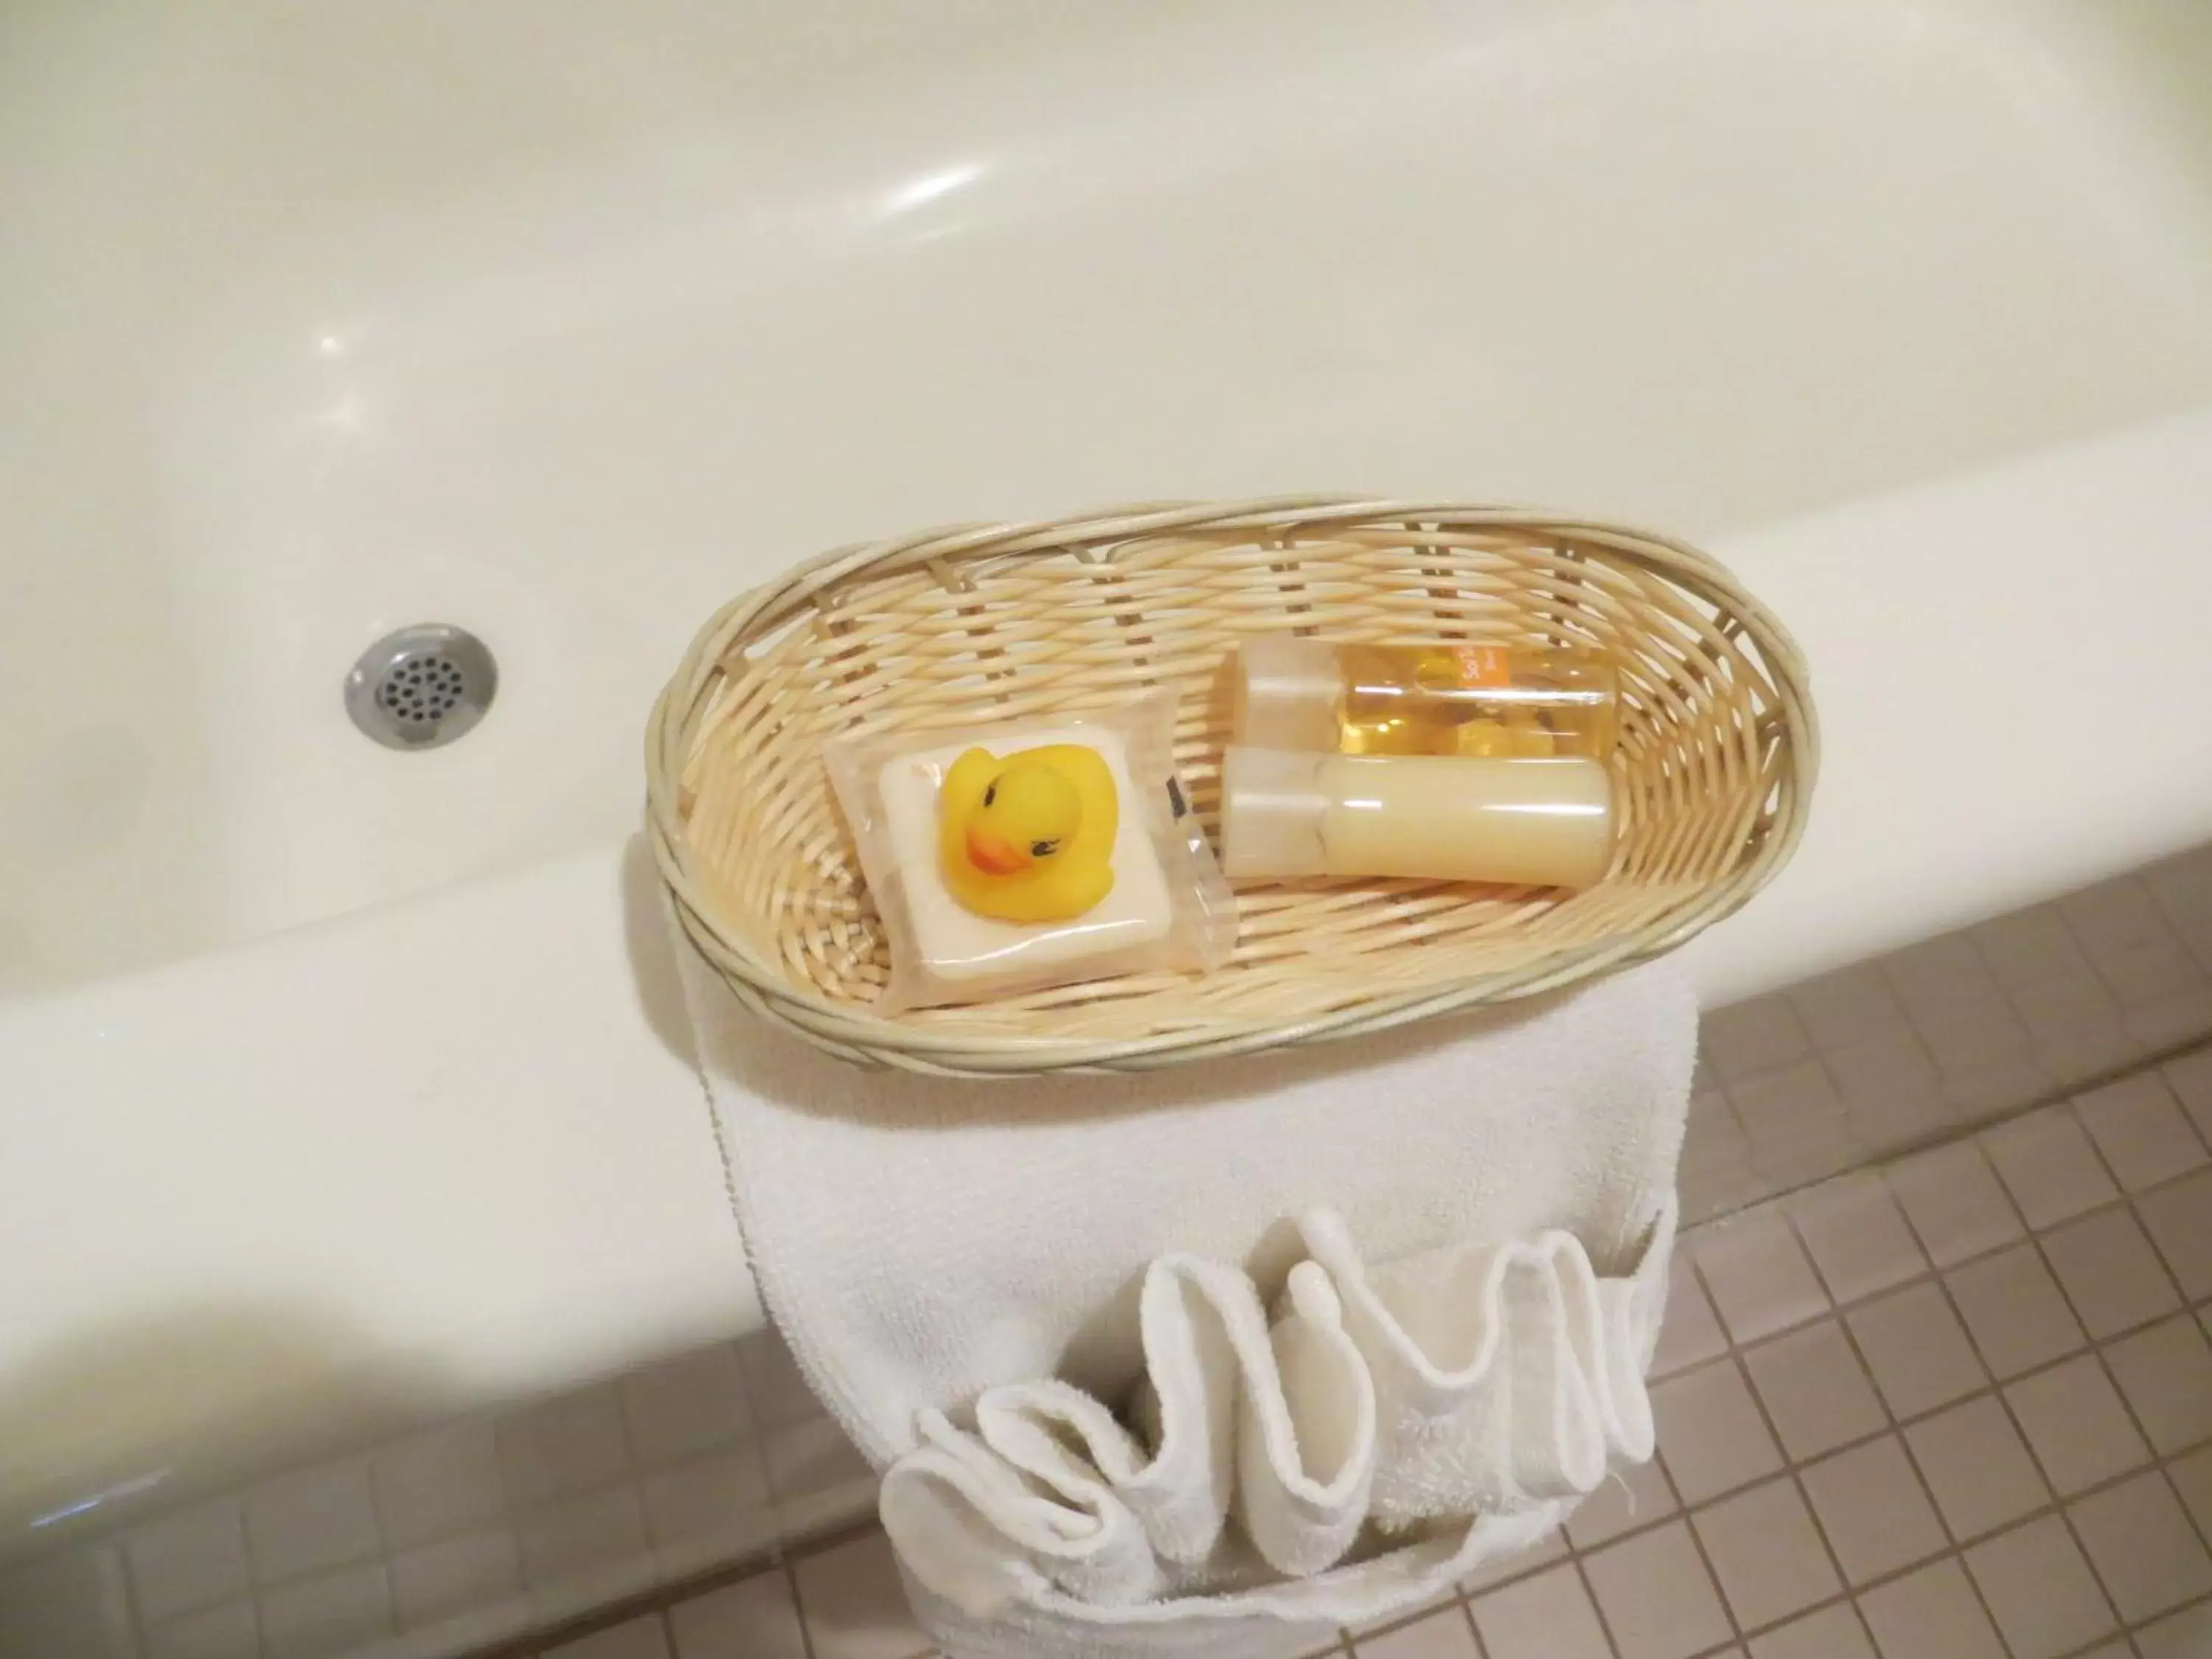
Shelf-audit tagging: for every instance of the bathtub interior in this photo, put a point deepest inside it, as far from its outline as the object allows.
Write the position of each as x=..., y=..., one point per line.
x=318, y=325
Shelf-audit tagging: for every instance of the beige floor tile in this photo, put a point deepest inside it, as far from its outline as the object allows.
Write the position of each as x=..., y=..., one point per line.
x=563, y=1447
x=2076, y=1425
x=2179, y=1219
x=1917, y=1349
x=1816, y=1390
x=1767, y=1554
x=1548, y=1616
x=1871, y=1506
x=852, y=1604
x=1857, y=1237
x=1832, y=1633
x=2138, y=1127
x=2166, y=1373
x=1634, y=1495
x=2015, y=1311
x=2189, y=1077
x=447, y=1579
x=191, y=1559
x=435, y=1485
x=2143, y=1547
x=1658, y=1602
x=1442, y=1635
x=1710, y=1432
x=1758, y=1275
x=2192, y=1479
x=1850, y=1005
x=1930, y=1614
x=1692, y=1332
x=2111, y=1274
x=2049, y=1166
x=1935, y=978
x=1518, y=1564
x=1951, y=1196
x=228, y=1630
x=1978, y=1466
x=576, y=1537
x=1756, y=1035
x=2183, y=1635
x=1444, y=1595
x=634, y=1638
x=2025, y=947
x=754, y=1618
x=2039, y=1590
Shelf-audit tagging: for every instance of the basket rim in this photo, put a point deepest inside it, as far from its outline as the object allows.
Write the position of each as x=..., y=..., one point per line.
x=851, y=1031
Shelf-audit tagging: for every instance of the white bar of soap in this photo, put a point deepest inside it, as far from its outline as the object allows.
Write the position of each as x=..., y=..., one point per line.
x=974, y=952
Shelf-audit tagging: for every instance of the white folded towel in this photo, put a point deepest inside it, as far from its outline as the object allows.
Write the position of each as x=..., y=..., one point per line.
x=1462, y=1231
x=1470, y=1381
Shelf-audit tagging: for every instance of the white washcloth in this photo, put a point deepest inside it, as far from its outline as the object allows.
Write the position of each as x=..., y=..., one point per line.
x=1466, y=1381
x=922, y=1242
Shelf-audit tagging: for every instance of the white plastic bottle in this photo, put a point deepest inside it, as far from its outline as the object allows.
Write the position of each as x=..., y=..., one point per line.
x=1523, y=822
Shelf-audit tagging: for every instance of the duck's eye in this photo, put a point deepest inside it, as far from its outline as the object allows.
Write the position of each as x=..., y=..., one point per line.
x=1043, y=849
x=990, y=794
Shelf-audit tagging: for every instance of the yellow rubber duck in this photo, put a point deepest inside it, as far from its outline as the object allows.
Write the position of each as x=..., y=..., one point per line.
x=1029, y=838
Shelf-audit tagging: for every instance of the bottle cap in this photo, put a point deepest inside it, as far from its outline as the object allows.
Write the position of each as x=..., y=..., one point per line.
x=1271, y=813
x=1289, y=692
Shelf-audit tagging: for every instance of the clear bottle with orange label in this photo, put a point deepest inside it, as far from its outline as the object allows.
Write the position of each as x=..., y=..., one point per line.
x=1491, y=701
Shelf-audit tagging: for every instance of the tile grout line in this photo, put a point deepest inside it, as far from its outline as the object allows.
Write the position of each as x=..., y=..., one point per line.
x=388, y=1557
x=1581, y=1570
x=1958, y=1545
x=1895, y=1430
x=789, y=1568
x=1466, y=1611
x=1793, y=1467
x=2004, y=1401
x=2133, y=1199
x=134, y=1616
x=1689, y=1521
x=1995, y=1392
x=1394, y=1623
x=2161, y=1462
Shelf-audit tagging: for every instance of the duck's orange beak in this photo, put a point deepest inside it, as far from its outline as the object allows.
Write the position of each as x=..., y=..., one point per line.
x=994, y=856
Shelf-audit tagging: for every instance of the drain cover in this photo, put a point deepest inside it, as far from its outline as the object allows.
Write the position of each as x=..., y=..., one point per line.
x=422, y=687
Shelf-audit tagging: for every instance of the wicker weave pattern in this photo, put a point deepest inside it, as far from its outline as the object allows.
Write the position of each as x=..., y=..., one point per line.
x=1018, y=622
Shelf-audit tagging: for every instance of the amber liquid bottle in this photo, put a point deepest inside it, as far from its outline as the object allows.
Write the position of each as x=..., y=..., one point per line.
x=1486, y=701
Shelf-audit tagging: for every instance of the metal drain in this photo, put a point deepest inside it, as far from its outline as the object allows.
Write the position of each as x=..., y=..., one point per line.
x=422, y=687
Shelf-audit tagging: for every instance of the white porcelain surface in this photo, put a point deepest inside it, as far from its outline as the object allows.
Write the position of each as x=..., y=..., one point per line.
x=317, y=321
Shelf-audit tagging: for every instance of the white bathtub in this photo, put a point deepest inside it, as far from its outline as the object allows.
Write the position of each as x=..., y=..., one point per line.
x=566, y=326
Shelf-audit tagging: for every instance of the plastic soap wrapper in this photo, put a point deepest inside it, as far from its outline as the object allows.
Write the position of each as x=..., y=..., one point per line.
x=1169, y=907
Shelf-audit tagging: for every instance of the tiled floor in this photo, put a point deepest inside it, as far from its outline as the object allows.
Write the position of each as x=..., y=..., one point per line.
x=1959, y=1408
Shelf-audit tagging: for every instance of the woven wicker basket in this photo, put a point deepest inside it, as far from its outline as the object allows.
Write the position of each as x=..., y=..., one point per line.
x=1015, y=622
